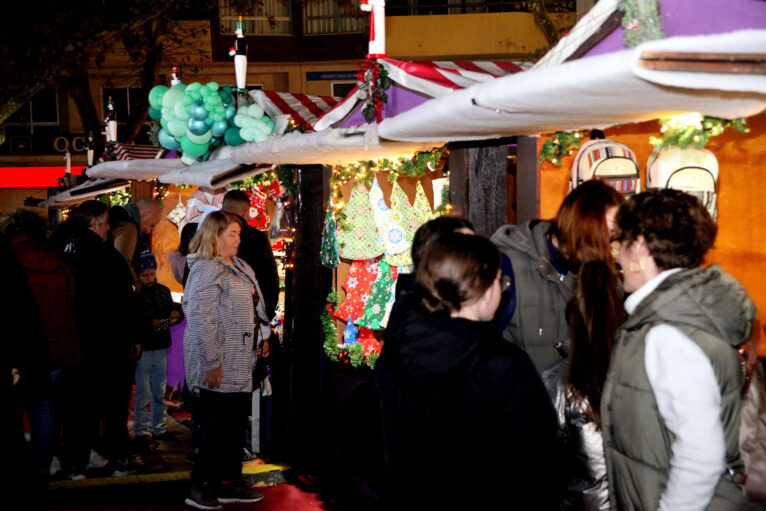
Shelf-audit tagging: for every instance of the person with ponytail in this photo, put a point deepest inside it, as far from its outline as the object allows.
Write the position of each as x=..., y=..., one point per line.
x=465, y=417
x=545, y=256
x=575, y=384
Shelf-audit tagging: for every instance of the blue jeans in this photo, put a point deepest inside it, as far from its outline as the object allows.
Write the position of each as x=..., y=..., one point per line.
x=151, y=375
x=43, y=422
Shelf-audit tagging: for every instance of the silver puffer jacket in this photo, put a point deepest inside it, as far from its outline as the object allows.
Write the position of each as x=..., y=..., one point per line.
x=587, y=487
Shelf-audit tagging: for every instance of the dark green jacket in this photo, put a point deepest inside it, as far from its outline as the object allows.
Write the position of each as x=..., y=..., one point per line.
x=713, y=310
x=539, y=322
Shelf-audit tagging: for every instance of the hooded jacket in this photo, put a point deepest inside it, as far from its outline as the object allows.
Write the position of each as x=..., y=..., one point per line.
x=221, y=322
x=713, y=310
x=466, y=420
x=538, y=324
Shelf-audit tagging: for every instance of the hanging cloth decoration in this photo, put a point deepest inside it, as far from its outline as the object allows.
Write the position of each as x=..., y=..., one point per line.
x=358, y=286
x=421, y=205
x=351, y=333
x=404, y=215
x=380, y=293
x=392, y=236
x=362, y=241
x=329, y=253
x=258, y=216
x=371, y=345
x=178, y=215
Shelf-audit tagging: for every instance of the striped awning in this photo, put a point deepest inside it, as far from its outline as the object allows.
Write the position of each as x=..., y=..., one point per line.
x=123, y=152
x=304, y=109
x=431, y=79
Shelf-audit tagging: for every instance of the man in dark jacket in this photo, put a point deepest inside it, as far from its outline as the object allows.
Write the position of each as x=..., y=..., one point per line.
x=255, y=249
x=107, y=313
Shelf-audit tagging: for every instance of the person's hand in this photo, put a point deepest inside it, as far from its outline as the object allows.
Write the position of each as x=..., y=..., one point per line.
x=213, y=378
x=15, y=376
x=156, y=323
x=135, y=351
x=264, y=350
x=174, y=316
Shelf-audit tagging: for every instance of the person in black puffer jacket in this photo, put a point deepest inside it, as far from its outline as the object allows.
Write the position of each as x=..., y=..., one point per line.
x=466, y=419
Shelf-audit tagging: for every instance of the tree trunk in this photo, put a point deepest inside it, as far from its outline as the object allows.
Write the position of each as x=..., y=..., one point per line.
x=543, y=21
x=78, y=87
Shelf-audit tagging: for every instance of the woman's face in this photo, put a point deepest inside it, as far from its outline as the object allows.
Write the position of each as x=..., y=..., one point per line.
x=227, y=242
x=629, y=259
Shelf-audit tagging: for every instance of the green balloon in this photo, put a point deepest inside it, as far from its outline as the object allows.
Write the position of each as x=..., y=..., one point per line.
x=155, y=114
x=155, y=95
x=194, y=86
x=217, y=116
x=199, y=139
x=177, y=128
x=213, y=86
x=179, y=86
x=187, y=100
x=179, y=110
x=164, y=123
x=196, y=95
x=204, y=91
x=190, y=148
x=232, y=136
x=170, y=97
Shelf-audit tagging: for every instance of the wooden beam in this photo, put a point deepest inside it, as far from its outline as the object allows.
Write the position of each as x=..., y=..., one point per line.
x=527, y=180
x=729, y=63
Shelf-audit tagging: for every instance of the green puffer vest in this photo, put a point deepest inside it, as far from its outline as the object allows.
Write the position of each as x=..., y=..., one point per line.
x=539, y=322
x=713, y=310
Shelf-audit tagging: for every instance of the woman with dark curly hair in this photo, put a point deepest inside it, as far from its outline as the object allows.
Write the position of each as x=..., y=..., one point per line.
x=465, y=418
x=671, y=404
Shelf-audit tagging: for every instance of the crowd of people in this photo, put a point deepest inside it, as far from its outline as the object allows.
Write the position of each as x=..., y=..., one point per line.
x=588, y=362
x=532, y=383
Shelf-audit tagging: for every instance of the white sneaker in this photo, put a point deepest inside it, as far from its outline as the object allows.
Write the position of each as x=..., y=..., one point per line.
x=55, y=466
x=77, y=477
x=96, y=460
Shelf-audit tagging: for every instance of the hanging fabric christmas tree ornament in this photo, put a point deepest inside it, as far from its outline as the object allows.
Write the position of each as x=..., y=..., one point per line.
x=329, y=252
x=362, y=241
x=392, y=236
x=421, y=205
x=351, y=333
x=380, y=293
x=358, y=286
x=404, y=215
x=390, y=302
x=371, y=345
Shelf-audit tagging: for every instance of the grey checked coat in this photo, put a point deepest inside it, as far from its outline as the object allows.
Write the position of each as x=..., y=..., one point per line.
x=220, y=321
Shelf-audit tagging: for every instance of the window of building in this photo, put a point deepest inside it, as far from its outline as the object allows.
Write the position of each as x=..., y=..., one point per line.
x=42, y=110
x=125, y=99
x=327, y=17
x=269, y=17
x=341, y=89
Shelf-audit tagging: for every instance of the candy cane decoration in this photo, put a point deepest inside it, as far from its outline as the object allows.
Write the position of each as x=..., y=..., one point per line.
x=377, y=10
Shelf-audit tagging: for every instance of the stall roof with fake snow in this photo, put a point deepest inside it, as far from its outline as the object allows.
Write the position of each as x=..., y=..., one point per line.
x=590, y=80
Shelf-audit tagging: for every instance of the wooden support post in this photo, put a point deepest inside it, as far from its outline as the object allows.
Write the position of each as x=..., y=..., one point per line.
x=527, y=180
x=310, y=285
x=478, y=184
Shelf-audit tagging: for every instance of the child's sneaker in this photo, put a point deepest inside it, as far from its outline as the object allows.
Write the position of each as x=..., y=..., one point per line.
x=96, y=460
x=121, y=468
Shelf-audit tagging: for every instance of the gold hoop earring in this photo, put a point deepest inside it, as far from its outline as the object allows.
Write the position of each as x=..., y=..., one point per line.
x=637, y=268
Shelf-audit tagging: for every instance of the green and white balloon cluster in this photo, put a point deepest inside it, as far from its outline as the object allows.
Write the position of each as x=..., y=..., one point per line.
x=197, y=118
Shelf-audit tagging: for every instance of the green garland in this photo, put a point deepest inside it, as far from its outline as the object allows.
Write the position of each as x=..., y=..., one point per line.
x=694, y=130
x=364, y=171
x=116, y=198
x=561, y=144
x=283, y=174
x=641, y=21
x=344, y=353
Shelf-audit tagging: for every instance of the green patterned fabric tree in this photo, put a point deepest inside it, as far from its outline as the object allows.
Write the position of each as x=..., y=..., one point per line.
x=362, y=240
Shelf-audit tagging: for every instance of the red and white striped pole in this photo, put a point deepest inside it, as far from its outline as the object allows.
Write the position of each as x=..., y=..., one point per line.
x=377, y=10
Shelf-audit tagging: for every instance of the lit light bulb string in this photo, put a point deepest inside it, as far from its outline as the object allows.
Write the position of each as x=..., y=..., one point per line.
x=411, y=165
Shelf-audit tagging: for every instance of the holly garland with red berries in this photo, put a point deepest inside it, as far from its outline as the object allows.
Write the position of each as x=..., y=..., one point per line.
x=372, y=80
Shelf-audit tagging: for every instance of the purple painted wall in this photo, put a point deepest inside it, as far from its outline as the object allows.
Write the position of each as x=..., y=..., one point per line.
x=697, y=17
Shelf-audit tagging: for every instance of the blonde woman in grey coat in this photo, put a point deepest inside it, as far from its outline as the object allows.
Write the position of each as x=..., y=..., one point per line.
x=225, y=323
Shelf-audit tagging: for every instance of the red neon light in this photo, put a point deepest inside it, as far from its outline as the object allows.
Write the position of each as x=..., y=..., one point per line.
x=34, y=177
